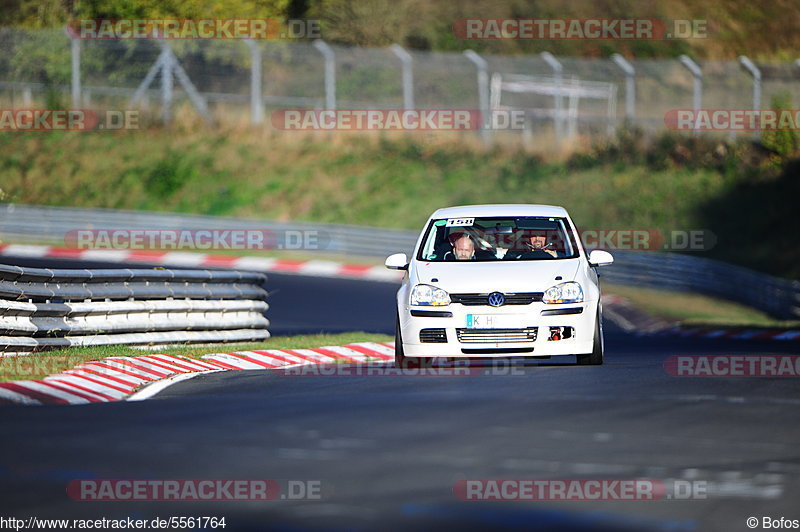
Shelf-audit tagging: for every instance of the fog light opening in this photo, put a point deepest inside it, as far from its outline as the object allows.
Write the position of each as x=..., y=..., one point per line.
x=560, y=333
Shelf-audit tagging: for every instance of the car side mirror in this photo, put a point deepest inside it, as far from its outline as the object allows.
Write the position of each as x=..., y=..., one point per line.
x=398, y=261
x=598, y=257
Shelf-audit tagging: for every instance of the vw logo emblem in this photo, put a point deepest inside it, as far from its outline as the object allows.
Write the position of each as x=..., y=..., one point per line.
x=496, y=299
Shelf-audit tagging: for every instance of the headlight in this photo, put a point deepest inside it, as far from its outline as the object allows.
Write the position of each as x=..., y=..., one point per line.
x=425, y=294
x=564, y=293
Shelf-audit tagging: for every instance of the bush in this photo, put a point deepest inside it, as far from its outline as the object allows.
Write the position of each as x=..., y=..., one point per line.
x=784, y=143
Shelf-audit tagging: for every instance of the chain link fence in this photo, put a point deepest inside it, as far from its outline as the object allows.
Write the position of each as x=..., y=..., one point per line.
x=244, y=81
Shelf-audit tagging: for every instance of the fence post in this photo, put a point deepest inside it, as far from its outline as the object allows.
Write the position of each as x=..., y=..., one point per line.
x=256, y=101
x=483, y=92
x=697, y=85
x=167, y=64
x=408, y=75
x=756, y=73
x=555, y=64
x=330, y=72
x=166, y=86
x=75, y=45
x=191, y=91
x=630, y=85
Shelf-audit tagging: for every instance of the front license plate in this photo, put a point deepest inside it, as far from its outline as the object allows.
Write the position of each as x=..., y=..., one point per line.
x=492, y=321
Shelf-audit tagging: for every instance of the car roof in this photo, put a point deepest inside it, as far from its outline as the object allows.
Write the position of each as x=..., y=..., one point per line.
x=478, y=211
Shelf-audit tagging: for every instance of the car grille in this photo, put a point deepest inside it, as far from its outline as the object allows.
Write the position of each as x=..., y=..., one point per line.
x=496, y=336
x=518, y=298
x=433, y=336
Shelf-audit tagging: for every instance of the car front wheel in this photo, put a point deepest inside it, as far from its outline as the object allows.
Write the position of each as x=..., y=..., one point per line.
x=595, y=358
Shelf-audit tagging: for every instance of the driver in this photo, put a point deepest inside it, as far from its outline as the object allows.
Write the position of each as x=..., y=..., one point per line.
x=536, y=248
x=538, y=241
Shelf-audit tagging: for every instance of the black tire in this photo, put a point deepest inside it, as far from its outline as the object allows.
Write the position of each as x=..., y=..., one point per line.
x=402, y=361
x=595, y=358
x=399, y=357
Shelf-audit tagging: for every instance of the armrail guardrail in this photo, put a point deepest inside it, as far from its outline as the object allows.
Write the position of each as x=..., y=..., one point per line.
x=780, y=298
x=47, y=308
x=44, y=224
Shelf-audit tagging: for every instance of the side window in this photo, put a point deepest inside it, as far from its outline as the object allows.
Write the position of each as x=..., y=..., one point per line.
x=570, y=245
x=435, y=245
x=428, y=245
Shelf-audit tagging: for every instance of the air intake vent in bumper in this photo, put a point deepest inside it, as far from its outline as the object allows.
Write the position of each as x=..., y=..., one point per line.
x=496, y=336
x=433, y=336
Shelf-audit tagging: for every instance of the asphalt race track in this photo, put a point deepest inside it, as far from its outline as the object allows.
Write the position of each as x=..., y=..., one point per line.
x=387, y=451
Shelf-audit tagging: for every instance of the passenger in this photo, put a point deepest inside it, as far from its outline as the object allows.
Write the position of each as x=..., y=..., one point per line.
x=463, y=247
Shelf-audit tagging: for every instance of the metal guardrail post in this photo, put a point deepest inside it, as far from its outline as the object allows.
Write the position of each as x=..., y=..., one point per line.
x=256, y=101
x=330, y=72
x=756, y=73
x=697, y=85
x=630, y=85
x=408, y=75
x=558, y=119
x=483, y=93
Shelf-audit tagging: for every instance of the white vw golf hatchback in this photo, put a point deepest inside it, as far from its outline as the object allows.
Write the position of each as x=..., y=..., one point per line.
x=499, y=281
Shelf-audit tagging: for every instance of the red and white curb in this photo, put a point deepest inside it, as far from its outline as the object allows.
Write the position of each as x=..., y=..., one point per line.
x=318, y=268
x=117, y=378
x=735, y=334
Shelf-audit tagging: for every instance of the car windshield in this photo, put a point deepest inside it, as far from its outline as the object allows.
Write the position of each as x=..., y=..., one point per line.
x=498, y=239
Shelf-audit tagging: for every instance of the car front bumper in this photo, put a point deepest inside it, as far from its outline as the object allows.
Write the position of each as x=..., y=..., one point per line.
x=510, y=335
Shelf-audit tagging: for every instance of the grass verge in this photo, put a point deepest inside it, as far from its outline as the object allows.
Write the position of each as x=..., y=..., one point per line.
x=39, y=365
x=696, y=310
x=633, y=181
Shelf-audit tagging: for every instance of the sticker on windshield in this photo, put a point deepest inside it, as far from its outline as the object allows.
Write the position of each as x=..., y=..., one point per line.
x=460, y=222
